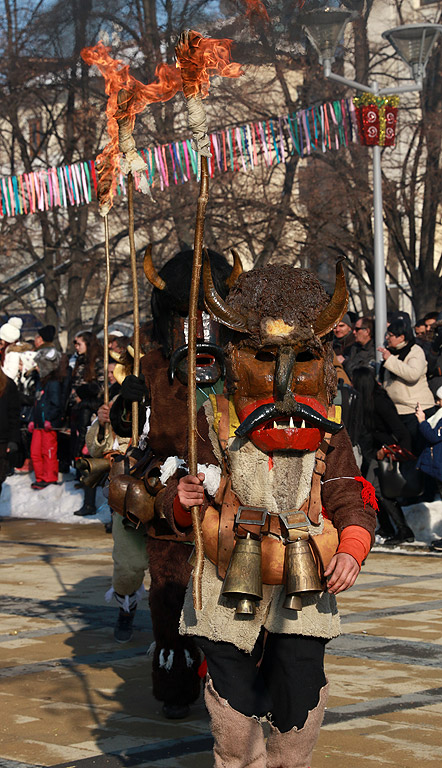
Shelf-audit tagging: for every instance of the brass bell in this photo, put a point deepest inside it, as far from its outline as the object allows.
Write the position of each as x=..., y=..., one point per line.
x=301, y=573
x=243, y=579
x=92, y=471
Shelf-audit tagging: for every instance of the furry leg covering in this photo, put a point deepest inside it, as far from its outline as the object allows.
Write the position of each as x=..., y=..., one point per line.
x=176, y=659
x=239, y=740
x=294, y=749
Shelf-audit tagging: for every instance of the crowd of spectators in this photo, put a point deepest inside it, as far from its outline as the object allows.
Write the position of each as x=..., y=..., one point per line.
x=395, y=418
x=48, y=400
x=392, y=411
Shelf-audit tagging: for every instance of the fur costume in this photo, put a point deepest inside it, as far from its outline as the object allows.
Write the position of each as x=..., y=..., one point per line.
x=280, y=448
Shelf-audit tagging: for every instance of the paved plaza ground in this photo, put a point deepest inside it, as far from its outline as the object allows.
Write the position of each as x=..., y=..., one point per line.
x=70, y=696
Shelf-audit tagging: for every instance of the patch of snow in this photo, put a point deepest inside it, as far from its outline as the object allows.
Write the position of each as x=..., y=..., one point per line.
x=56, y=502
x=425, y=520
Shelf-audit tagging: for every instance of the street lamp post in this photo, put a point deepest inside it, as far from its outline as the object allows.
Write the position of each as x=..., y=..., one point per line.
x=413, y=42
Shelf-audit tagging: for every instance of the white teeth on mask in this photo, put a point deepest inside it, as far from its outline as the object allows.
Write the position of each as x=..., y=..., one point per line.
x=291, y=425
x=275, y=426
x=303, y=424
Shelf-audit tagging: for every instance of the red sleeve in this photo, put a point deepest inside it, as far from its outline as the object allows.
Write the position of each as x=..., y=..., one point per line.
x=183, y=517
x=355, y=541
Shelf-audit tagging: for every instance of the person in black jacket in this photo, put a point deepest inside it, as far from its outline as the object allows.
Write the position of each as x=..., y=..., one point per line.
x=46, y=418
x=9, y=424
x=381, y=426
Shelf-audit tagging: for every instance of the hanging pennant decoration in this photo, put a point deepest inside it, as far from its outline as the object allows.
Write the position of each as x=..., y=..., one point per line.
x=377, y=117
x=238, y=149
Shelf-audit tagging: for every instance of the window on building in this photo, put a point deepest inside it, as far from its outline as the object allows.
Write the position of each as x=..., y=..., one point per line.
x=35, y=133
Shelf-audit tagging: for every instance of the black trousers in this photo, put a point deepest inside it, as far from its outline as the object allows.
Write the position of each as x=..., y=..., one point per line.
x=285, y=685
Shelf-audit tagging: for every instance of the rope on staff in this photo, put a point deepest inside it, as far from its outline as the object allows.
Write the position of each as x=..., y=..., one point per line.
x=127, y=145
x=201, y=144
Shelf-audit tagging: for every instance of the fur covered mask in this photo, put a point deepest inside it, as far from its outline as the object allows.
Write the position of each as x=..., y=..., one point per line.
x=280, y=357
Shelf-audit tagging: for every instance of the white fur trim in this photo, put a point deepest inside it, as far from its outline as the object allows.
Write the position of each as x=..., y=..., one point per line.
x=212, y=479
x=109, y=594
x=146, y=429
x=139, y=594
x=169, y=467
x=166, y=664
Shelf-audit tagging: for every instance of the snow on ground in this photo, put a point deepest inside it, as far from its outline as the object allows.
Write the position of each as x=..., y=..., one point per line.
x=56, y=502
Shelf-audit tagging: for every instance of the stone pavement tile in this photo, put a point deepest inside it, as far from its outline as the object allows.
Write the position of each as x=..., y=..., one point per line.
x=367, y=743
x=425, y=626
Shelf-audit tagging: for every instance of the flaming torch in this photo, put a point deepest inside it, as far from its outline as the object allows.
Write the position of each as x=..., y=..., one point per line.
x=197, y=55
x=127, y=97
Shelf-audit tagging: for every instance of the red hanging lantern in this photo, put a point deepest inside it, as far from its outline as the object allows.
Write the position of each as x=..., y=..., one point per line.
x=377, y=117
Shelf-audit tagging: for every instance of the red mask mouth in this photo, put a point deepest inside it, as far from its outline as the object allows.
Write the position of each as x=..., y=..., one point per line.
x=286, y=432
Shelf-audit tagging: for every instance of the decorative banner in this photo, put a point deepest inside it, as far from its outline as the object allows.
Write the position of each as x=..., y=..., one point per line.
x=377, y=116
x=239, y=148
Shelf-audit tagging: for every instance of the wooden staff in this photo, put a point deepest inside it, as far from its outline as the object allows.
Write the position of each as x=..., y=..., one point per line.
x=104, y=200
x=201, y=143
x=191, y=378
x=127, y=144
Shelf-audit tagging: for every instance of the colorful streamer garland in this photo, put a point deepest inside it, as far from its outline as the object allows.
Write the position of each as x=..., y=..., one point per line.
x=321, y=128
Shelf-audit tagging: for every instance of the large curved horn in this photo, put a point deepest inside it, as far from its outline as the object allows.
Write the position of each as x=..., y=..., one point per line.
x=337, y=306
x=237, y=269
x=216, y=306
x=150, y=271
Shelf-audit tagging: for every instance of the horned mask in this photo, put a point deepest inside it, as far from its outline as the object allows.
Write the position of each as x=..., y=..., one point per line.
x=170, y=307
x=280, y=355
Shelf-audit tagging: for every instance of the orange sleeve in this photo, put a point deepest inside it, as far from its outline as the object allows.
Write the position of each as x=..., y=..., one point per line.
x=355, y=541
x=183, y=517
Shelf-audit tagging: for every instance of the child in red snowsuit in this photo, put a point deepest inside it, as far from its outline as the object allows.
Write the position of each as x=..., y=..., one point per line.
x=46, y=416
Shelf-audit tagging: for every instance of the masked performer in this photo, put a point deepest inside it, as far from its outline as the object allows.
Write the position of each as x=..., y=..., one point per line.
x=289, y=524
x=163, y=387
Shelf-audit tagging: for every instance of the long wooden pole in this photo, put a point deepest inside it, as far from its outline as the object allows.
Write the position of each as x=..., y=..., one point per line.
x=191, y=378
x=136, y=313
x=127, y=145
x=106, y=319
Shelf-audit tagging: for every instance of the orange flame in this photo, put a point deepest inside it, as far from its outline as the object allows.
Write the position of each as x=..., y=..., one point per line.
x=255, y=9
x=117, y=76
x=200, y=57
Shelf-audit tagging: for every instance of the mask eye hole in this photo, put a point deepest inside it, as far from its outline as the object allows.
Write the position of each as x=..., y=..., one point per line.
x=264, y=356
x=305, y=357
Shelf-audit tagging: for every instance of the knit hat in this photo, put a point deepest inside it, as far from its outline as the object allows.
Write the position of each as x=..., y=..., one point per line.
x=47, y=333
x=16, y=321
x=346, y=319
x=9, y=333
x=47, y=360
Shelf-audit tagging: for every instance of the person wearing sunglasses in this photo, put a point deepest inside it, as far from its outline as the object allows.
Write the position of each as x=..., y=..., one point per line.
x=362, y=353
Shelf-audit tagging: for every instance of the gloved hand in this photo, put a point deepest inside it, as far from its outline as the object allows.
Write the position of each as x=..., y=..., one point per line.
x=134, y=388
x=31, y=427
x=47, y=426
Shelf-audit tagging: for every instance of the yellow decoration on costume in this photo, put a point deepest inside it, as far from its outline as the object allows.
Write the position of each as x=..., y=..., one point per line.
x=233, y=418
x=277, y=327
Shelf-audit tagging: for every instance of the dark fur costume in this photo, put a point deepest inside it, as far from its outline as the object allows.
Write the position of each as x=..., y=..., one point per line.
x=170, y=573
x=175, y=677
